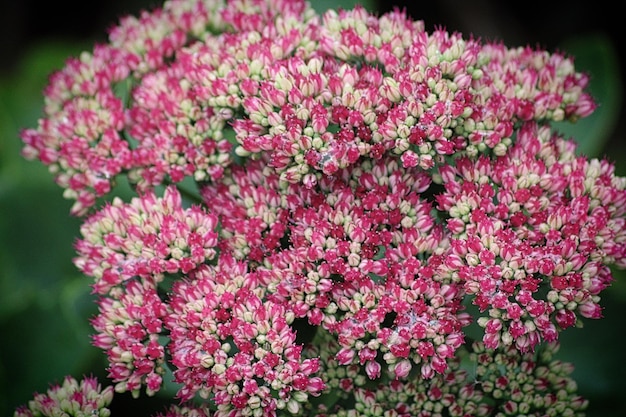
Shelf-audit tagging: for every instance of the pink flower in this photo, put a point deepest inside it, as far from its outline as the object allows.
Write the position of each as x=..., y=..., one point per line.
x=402, y=369
x=177, y=136
x=516, y=209
x=251, y=213
x=291, y=90
x=128, y=326
x=229, y=341
x=147, y=238
x=336, y=229
x=319, y=198
x=71, y=397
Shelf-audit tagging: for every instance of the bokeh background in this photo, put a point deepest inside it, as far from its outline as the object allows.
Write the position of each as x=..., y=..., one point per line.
x=45, y=304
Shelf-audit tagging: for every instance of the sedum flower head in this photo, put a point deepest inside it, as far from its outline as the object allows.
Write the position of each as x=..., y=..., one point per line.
x=147, y=239
x=527, y=236
x=71, y=398
x=530, y=384
x=314, y=93
x=128, y=326
x=324, y=205
x=230, y=343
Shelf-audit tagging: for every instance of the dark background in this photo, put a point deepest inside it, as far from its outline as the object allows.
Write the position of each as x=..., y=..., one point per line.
x=39, y=254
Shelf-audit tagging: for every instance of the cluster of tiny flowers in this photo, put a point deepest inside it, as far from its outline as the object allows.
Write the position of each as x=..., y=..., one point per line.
x=158, y=101
x=352, y=265
x=499, y=382
x=538, y=220
x=128, y=326
x=147, y=238
x=360, y=186
x=229, y=343
x=532, y=385
x=72, y=398
x=352, y=394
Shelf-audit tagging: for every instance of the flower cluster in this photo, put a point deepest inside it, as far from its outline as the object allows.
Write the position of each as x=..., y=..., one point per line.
x=146, y=239
x=533, y=385
x=72, y=399
x=500, y=383
x=228, y=340
x=324, y=205
x=313, y=93
x=539, y=217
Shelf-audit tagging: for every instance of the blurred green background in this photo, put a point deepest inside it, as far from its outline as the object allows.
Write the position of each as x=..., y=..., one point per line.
x=45, y=304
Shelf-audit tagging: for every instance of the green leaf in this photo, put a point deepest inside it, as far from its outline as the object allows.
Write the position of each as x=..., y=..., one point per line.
x=596, y=56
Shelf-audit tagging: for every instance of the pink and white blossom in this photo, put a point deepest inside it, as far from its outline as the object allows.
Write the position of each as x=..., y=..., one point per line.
x=323, y=205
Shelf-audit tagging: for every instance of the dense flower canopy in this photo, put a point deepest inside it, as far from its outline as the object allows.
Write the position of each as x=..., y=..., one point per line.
x=364, y=193
x=181, y=91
